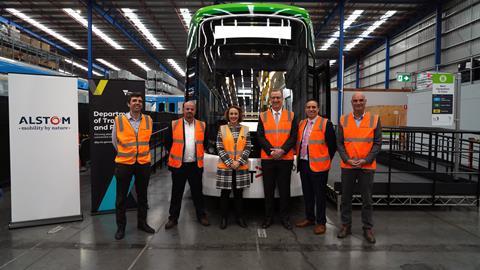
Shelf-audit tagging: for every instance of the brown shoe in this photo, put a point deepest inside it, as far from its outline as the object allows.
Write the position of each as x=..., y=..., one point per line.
x=304, y=223
x=368, y=234
x=204, y=221
x=170, y=224
x=319, y=229
x=345, y=230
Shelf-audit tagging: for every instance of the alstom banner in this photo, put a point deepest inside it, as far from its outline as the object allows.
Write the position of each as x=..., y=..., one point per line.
x=43, y=117
x=107, y=99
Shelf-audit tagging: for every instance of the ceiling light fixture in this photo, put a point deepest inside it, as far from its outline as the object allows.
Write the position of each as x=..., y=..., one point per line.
x=186, y=16
x=108, y=64
x=346, y=24
x=141, y=27
x=174, y=64
x=44, y=28
x=82, y=67
x=141, y=64
x=370, y=29
x=95, y=30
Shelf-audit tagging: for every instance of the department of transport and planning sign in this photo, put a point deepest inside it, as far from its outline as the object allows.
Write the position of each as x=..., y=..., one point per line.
x=443, y=86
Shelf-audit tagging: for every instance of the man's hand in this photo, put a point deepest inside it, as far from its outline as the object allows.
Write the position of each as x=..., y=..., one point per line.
x=361, y=162
x=277, y=153
x=354, y=163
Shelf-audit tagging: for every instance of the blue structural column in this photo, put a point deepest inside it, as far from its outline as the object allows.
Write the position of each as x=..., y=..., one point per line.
x=438, y=37
x=387, y=62
x=357, y=74
x=341, y=10
x=89, y=45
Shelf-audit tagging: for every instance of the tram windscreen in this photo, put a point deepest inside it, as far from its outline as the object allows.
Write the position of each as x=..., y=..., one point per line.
x=242, y=71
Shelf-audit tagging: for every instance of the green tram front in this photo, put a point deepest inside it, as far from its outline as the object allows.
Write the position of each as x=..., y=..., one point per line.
x=236, y=53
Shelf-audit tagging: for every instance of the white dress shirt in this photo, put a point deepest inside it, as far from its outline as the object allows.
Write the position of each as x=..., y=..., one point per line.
x=189, y=154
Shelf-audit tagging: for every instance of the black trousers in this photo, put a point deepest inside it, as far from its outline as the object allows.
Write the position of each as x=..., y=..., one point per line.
x=314, y=186
x=189, y=171
x=124, y=174
x=237, y=197
x=276, y=173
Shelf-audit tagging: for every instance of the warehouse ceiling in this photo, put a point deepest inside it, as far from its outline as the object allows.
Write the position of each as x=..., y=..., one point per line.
x=165, y=22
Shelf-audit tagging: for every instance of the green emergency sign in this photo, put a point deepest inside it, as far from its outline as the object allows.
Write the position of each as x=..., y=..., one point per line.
x=404, y=77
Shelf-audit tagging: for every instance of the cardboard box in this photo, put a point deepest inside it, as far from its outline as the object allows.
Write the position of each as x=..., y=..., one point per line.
x=25, y=39
x=45, y=46
x=36, y=43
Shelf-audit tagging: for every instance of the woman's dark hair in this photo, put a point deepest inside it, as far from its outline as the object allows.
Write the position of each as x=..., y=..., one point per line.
x=240, y=113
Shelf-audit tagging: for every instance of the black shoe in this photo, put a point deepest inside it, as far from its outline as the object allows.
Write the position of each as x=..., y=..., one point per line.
x=267, y=223
x=286, y=224
x=144, y=227
x=204, y=221
x=120, y=234
x=170, y=224
x=241, y=222
x=223, y=224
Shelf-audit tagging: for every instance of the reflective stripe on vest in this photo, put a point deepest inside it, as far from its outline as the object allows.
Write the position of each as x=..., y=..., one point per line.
x=318, y=155
x=232, y=148
x=275, y=134
x=359, y=140
x=133, y=147
x=175, y=157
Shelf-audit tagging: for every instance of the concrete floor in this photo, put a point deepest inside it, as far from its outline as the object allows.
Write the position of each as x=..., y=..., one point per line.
x=407, y=239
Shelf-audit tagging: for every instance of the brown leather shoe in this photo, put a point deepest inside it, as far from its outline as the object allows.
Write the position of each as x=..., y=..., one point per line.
x=319, y=229
x=368, y=234
x=345, y=230
x=204, y=221
x=304, y=223
x=170, y=224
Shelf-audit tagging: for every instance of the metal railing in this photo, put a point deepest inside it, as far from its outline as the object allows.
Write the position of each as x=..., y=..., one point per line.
x=157, y=146
x=444, y=156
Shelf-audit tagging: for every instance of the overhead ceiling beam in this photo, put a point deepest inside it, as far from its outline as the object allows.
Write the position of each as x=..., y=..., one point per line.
x=105, y=15
x=328, y=19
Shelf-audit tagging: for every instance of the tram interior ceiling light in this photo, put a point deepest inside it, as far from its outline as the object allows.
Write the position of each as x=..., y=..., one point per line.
x=251, y=54
x=108, y=64
x=141, y=64
x=142, y=28
x=42, y=27
x=276, y=32
x=174, y=64
x=95, y=30
x=186, y=16
x=370, y=29
x=346, y=24
x=82, y=67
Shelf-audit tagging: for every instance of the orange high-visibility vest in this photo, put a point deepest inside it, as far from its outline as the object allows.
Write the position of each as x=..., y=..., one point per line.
x=175, y=158
x=277, y=135
x=133, y=147
x=358, y=141
x=234, y=150
x=318, y=156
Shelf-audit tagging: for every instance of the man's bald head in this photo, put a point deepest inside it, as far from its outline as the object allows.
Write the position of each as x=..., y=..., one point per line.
x=359, y=101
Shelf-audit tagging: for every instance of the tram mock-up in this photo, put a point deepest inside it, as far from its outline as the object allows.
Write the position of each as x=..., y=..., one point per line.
x=236, y=54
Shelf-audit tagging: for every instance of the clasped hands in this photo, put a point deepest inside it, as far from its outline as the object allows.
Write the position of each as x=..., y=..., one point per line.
x=356, y=163
x=277, y=153
x=235, y=164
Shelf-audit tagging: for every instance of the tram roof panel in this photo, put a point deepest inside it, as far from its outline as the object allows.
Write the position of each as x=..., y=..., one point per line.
x=164, y=21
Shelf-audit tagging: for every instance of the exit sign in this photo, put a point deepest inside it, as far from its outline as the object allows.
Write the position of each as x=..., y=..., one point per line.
x=404, y=77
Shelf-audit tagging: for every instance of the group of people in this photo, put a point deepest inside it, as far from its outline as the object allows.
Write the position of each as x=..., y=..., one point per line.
x=280, y=137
